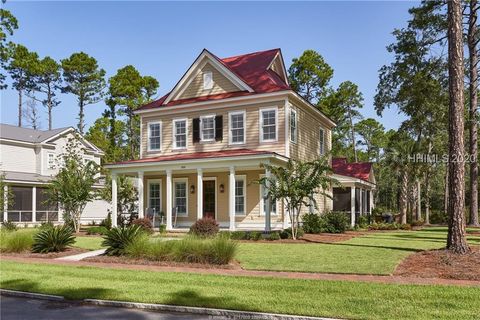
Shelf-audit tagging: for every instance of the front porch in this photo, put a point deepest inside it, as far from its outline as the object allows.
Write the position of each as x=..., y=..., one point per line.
x=179, y=192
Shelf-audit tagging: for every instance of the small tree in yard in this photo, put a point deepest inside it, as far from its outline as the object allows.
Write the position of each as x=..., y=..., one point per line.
x=296, y=184
x=72, y=187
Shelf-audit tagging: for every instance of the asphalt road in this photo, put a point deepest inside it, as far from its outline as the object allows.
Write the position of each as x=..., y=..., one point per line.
x=13, y=308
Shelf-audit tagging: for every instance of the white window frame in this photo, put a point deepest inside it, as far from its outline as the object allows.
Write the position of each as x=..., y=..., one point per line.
x=174, y=200
x=53, y=166
x=206, y=75
x=293, y=137
x=88, y=158
x=149, y=183
x=230, y=135
x=321, y=141
x=174, y=133
x=262, y=205
x=201, y=128
x=149, y=136
x=261, y=111
x=244, y=179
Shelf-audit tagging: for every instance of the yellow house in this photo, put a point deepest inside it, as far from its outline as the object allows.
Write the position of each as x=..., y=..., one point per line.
x=203, y=144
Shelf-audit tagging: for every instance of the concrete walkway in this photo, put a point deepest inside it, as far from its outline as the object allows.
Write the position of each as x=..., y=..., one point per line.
x=78, y=257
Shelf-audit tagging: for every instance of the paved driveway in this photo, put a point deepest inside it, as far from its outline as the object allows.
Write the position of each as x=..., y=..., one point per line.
x=13, y=308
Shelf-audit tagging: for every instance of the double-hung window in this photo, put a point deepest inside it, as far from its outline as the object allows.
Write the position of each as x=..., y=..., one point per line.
x=154, y=196
x=240, y=194
x=51, y=160
x=154, y=136
x=268, y=125
x=207, y=128
x=322, y=142
x=180, y=200
x=207, y=80
x=237, y=127
x=180, y=133
x=293, y=126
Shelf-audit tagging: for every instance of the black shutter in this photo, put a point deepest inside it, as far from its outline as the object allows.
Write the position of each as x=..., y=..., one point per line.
x=196, y=130
x=218, y=128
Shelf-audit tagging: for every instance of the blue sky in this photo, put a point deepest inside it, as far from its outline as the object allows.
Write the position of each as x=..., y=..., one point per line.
x=162, y=39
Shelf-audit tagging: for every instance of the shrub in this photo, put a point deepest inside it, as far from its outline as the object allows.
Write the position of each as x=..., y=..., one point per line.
x=363, y=222
x=16, y=241
x=205, y=227
x=9, y=226
x=107, y=222
x=255, y=235
x=54, y=239
x=163, y=229
x=117, y=239
x=389, y=226
x=417, y=223
x=144, y=223
x=238, y=235
x=287, y=233
x=222, y=250
x=101, y=230
x=46, y=225
x=335, y=222
x=312, y=223
x=273, y=236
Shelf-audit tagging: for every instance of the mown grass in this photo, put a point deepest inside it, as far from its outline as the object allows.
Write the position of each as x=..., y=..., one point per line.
x=88, y=243
x=375, y=253
x=340, y=299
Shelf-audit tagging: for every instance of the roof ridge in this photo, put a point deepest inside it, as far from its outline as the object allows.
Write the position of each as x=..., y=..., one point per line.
x=250, y=53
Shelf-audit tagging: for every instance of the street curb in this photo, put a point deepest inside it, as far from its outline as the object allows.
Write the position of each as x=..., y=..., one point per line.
x=23, y=294
x=231, y=314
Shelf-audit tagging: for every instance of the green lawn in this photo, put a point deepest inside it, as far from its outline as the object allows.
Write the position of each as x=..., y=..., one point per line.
x=89, y=243
x=375, y=253
x=341, y=299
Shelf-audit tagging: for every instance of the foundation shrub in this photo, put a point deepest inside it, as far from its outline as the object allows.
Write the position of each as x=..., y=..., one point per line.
x=144, y=223
x=54, y=239
x=16, y=241
x=205, y=228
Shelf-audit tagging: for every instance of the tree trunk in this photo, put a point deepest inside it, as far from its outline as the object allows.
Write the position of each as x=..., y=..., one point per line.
x=20, y=108
x=427, y=185
x=473, y=124
x=81, y=116
x=456, y=239
x=49, y=108
x=352, y=133
x=418, y=215
x=445, y=195
x=403, y=196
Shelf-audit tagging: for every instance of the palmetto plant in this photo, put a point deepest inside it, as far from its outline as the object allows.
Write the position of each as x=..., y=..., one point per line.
x=53, y=239
x=117, y=239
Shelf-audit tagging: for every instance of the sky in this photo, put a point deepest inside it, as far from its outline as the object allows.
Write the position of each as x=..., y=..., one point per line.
x=162, y=39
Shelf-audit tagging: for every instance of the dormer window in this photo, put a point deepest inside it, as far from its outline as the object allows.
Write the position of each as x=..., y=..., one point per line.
x=207, y=80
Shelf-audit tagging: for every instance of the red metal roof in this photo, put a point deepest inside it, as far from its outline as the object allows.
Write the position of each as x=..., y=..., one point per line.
x=198, y=155
x=359, y=170
x=252, y=68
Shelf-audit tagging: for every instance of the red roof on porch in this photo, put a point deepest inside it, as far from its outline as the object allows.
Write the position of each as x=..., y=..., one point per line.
x=199, y=155
x=359, y=170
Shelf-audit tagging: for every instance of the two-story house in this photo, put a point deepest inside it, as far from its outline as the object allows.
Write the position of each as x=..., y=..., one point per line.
x=203, y=143
x=28, y=160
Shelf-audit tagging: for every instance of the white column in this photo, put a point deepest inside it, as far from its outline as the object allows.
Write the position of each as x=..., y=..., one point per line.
x=34, y=204
x=231, y=198
x=199, y=194
x=268, y=222
x=286, y=216
x=169, y=200
x=114, y=200
x=372, y=205
x=360, y=201
x=141, y=196
x=352, y=204
x=5, y=203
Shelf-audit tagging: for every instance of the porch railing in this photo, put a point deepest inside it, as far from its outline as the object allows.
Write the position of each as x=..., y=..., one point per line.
x=27, y=216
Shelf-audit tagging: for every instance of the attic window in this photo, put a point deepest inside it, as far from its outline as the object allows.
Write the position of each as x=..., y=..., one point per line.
x=207, y=80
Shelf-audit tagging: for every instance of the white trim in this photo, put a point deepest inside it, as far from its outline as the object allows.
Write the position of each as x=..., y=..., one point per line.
x=321, y=144
x=201, y=128
x=295, y=138
x=244, y=178
x=205, y=75
x=224, y=70
x=150, y=182
x=230, y=136
x=216, y=194
x=261, y=202
x=287, y=140
x=149, y=149
x=174, y=133
x=284, y=70
x=260, y=124
x=185, y=180
x=141, y=137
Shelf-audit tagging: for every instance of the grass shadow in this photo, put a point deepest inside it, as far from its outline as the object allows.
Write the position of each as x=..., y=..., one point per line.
x=193, y=298
x=374, y=246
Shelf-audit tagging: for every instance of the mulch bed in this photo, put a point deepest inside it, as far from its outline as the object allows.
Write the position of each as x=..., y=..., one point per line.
x=129, y=261
x=51, y=255
x=441, y=264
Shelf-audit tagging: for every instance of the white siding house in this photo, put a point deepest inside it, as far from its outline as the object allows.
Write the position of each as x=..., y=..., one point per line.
x=28, y=160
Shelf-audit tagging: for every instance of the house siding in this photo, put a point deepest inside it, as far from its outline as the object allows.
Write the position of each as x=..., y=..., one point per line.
x=252, y=131
x=17, y=158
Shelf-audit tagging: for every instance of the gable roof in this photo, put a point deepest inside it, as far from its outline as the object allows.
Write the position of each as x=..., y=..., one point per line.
x=252, y=69
x=359, y=170
x=11, y=132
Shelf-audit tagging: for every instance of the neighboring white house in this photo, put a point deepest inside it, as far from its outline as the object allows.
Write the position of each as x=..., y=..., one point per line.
x=28, y=159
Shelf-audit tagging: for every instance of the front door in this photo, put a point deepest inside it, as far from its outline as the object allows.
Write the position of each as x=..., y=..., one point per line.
x=209, y=199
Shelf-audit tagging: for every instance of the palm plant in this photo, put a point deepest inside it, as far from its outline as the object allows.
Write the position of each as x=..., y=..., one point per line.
x=54, y=239
x=118, y=239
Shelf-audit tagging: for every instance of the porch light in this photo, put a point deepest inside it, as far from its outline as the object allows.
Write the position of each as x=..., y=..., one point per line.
x=222, y=188
x=192, y=189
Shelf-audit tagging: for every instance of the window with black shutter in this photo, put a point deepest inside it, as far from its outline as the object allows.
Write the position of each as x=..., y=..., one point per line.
x=196, y=130
x=219, y=128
